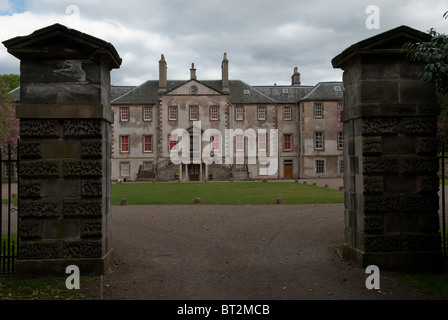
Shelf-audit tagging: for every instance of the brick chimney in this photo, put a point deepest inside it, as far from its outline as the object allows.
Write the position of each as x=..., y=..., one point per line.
x=295, y=79
x=225, y=73
x=192, y=72
x=162, y=73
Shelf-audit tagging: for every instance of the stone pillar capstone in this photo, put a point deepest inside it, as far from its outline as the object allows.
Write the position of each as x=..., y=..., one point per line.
x=65, y=131
x=390, y=155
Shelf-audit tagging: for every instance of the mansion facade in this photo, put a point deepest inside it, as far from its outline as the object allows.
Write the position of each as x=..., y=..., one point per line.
x=303, y=122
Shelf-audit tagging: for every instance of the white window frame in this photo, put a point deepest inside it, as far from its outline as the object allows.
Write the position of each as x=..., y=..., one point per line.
x=340, y=140
x=263, y=113
x=146, y=164
x=285, y=113
x=317, y=167
x=318, y=110
x=319, y=140
x=176, y=112
x=263, y=143
x=239, y=109
x=215, y=145
x=290, y=142
x=214, y=112
x=128, y=144
x=147, y=113
x=341, y=166
x=192, y=110
x=172, y=138
x=239, y=143
x=144, y=143
x=124, y=114
x=125, y=172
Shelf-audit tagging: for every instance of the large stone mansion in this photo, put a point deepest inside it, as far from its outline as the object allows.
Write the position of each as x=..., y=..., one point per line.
x=305, y=120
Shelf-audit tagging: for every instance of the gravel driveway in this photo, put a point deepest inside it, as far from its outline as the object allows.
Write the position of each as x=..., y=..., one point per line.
x=202, y=252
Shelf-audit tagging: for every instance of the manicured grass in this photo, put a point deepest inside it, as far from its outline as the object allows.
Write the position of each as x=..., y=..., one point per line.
x=223, y=193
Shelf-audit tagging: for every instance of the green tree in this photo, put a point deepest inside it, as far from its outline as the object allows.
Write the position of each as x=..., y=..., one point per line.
x=9, y=81
x=434, y=55
x=9, y=125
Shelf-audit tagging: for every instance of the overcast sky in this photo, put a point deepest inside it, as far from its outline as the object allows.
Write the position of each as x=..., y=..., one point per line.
x=264, y=39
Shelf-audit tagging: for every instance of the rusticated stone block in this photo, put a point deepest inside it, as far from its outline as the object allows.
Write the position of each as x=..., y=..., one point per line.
x=380, y=165
x=373, y=204
x=91, y=149
x=419, y=242
x=429, y=184
x=83, y=169
x=91, y=228
x=91, y=188
x=379, y=126
x=381, y=243
x=30, y=150
x=373, y=185
x=84, y=209
x=30, y=230
x=373, y=224
x=82, y=129
x=424, y=204
x=419, y=126
x=421, y=165
x=39, y=128
x=29, y=189
x=39, y=169
x=39, y=250
x=39, y=209
x=372, y=146
x=82, y=249
x=426, y=146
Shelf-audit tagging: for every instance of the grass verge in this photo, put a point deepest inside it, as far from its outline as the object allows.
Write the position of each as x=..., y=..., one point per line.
x=223, y=193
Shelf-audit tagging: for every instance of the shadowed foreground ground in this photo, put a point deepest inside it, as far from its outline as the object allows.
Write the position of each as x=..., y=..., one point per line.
x=201, y=252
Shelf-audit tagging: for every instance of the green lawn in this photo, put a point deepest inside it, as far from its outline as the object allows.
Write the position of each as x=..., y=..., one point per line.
x=224, y=193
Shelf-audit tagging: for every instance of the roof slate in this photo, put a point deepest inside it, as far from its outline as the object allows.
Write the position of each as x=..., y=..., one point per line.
x=325, y=91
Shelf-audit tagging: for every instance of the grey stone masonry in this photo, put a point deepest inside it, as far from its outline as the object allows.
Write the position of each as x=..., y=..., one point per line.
x=390, y=155
x=65, y=129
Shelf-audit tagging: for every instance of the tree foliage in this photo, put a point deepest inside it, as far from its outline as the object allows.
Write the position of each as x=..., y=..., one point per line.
x=434, y=55
x=9, y=125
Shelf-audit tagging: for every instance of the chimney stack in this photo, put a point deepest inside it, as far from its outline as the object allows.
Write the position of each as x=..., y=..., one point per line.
x=295, y=79
x=225, y=73
x=192, y=72
x=162, y=73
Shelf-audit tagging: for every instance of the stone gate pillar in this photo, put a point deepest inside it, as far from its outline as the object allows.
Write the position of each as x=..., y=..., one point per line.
x=65, y=130
x=391, y=165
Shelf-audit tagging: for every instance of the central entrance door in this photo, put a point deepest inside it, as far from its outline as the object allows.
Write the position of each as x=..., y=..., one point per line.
x=194, y=172
x=287, y=170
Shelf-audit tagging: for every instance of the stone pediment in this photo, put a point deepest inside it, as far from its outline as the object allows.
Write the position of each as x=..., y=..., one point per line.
x=59, y=42
x=391, y=41
x=193, y=87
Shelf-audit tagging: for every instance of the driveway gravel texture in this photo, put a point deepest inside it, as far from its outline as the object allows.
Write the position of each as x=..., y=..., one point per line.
x=241, y=252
